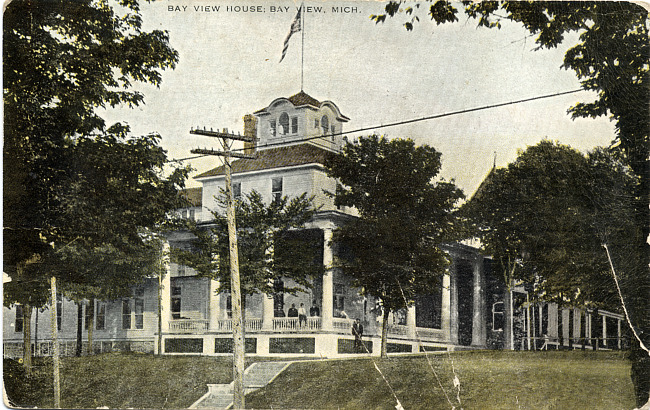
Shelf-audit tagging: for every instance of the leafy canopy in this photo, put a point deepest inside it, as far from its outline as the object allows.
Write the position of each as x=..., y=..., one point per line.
x=390, y=250
x=549, y=212
x=71, y=185
x=272, y=244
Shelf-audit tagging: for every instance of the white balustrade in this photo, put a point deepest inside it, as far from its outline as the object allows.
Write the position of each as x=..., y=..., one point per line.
x=189, y=325
x=342, y=324
x=293, y=324
x=399, y=330
x=426, y=333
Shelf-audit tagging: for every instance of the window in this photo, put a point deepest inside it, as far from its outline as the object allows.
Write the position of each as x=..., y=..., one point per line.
x=316, y=125
x=192, y=214
x=229, y=305
x=59, y=311
x=273, y=128
x=126, y=314
x=18, y=326
x=333, y=129
x=339, y=300
x=180, y=269
x=236, y=190
x=138, y=307
x=100, y=318
x=276, y=189
x=284, y=123
x=90, y=310
x=294, y=125
x=176, y=302
x=184, y=214
x=325, y=124
x=497, y=316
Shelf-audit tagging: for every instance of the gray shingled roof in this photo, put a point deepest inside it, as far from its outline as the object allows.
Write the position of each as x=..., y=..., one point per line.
x=275, y=158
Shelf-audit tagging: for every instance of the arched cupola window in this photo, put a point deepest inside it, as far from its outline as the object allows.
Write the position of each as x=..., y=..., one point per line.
x=324, y=123
x=284, y=123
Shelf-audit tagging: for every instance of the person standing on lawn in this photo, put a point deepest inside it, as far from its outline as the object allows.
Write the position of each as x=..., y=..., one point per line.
x=357, y=332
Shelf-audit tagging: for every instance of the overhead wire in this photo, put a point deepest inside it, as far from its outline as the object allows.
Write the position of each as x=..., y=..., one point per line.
x=403, y=122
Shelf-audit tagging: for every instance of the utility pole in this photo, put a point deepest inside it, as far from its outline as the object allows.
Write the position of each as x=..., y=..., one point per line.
x=235, y=285
x=55, y=349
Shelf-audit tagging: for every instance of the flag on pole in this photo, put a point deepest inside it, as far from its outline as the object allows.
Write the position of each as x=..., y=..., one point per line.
x=295, y=27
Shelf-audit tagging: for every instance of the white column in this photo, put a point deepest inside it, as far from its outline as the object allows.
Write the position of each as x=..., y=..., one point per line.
x=410, y=321
x=552, y=330
x=605, y=331
x=327, y=311
x=453, y=329
x=213, y=299
x=618, y=333
x=478, y=320
x=445, y=308
x=267, y=312
x=165, y=299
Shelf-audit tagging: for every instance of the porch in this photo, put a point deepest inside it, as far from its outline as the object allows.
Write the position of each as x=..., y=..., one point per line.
x=280, y=325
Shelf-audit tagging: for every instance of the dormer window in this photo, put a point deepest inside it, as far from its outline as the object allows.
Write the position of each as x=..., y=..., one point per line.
x=273, y=128
x=284, y=123
x=325, y=124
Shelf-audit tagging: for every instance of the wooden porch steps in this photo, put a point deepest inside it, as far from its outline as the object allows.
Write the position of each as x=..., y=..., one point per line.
x=256, y=376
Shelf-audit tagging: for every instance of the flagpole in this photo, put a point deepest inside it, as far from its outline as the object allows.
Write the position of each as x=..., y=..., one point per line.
x=302, y=53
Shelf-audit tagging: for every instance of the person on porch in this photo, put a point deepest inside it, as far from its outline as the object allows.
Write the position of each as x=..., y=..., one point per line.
x=313, y=310
x=302, y=315
x=293, y=312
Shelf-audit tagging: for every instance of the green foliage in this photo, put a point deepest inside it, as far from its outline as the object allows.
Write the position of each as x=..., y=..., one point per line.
x=612, y=58
x=73, y=187
x=270, y=240
x=390, y=250
x=545, y=217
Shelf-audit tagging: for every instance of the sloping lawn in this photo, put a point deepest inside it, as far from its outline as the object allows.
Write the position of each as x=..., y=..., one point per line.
x=489, y=380
x=117, y=380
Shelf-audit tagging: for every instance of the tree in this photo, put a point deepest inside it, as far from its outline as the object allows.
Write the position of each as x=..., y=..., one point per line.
x=612, y=59
x=62, y=60
x=271, y=245
x=545, y=217
x=391, y=250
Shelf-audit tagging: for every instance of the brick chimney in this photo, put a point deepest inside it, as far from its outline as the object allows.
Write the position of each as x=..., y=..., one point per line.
x=250, y=130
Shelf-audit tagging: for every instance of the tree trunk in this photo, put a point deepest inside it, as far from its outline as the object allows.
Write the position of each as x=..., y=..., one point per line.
x=80, y=328
x=91, y=325
x=384, y=334
x=27, y=338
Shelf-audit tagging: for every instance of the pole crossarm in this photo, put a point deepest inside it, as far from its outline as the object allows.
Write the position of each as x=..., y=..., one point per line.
x=222, y=153
x=224, y=134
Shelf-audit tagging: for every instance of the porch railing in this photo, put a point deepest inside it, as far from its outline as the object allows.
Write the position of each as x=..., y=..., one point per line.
x=426, y=333
x=398, y=330
x=252, y=324
x=189, y=325
x=344, y=325
x=293, y=324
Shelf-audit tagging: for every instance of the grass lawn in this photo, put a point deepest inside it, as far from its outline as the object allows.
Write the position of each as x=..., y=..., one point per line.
x=117, y=380
x=489, y=380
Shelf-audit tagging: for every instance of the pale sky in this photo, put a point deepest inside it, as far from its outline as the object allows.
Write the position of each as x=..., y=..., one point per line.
x=375, y=74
